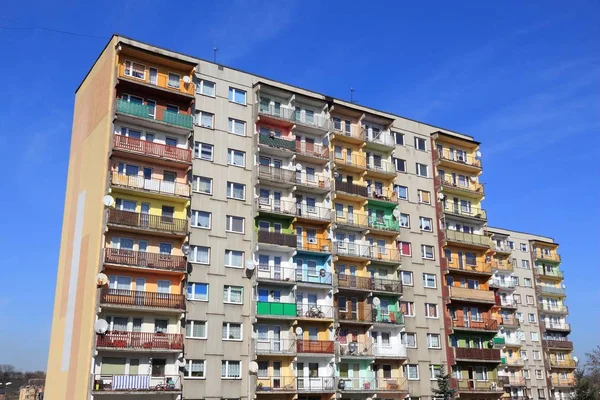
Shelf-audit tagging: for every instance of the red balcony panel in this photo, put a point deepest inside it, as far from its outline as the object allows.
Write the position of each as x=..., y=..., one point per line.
x=152, y=149
x=142, y=299
x=140, y=340
x=145, y=259
x=315, y=346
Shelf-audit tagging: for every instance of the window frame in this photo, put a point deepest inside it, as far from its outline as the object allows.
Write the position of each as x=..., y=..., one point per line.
x=198, y=119
x=231, y=126
x=229, y=223
x=239, y=362
x=194, y=218
x=418, y=140
x=412, y=278
x=193, y=285
x=417, y=170
x=198, y=178
x=188, y=370
x=418, y=375
x=428, y=275
x=437, y=311
x=191, y=323
x=232, y=93
x=230, y=196
x=200, y=88
x=228, y=300
x=231, y=157
x=198, y=147
x=229, y=331
x=229, y=257
x=439, y=340
x=424, y=253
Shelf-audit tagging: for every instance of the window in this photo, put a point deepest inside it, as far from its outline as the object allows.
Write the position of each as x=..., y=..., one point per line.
x=398, y=138
x=407, y=308
x=424, y=196
x=526, y=374
x=422, y=170
x=523, y=246
x=435, y=371
x=537, y=355
x=429, y=281
x=405, y=248
x=527, y=282
x=195, y=369
x=535, y=337
x=206, y=88
x=237, y=95
x=199, y=254
x=431, y=310
x=201, y=219
x=203, y=151
x=420, y=144
x=400, y=164
x=427, y=252
x=236, y=191
x=407, y=278
x=529, y=299
x=511, y=245
x=263, y=369
x=409, y=339
x=204, y=119
x=515, y=280
x=426, y=224
x=237, y=127
x=516, y=297
x=234, y=258
x=401, y=191
x=197, y=291
x=404, y=220
x=231, y=331
x=434, y=341
x=525, y=264
x=236, y=158
x=539, y=374
x=541, y=393
x=174, y=80
x=195, y=329
x=135, y=70
x=234, y=224
x=531, y=317
x=202, y=184
x=231, y=369
x=411, y=371
x=233, y=294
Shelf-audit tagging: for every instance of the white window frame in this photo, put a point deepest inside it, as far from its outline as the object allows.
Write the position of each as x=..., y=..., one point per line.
x=232, y=92
x=232, y=124
x=230, y=191
x=531, y=318
x=418, y=170
x=195, y=187
x=415, y=368
x=539, y=374
x=420, y=195
x=423, y=222
x=198, y=147
x=401, y=220
x=191, y=324
x=432, y=371
x=404, y=335
x=410, y=308
x=229, y=224
x=228, y=324
x=420, y=140
x=424, y=252
x=200, y=88
x=227, y=369
x=535, y=337
x=195, y=217
x=437, y=311
x=429, y=341
x=228, y=299
x=188, y=370
x=169, y=80
x=228, y=257
x=426, y=278
x=231, y=153
x=193, y=284
x=130, y=74
x=412, y=278
x=194, y=251
x=198, y=119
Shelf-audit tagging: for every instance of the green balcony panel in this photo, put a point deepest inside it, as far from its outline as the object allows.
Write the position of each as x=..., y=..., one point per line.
x=144, y=111
x=173, y=118
x=280, y=309
x=277, y=142
x=499, y=340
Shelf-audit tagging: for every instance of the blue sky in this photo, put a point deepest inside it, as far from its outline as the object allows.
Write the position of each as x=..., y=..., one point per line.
x=522, y=79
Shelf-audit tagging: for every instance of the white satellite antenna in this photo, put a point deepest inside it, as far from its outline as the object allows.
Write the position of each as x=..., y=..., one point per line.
x=576, y=359
x=253, y=367
x=180, y=363
x=440, y=196
x=101, y=326
x=185, y=249
x=108, y=201
x=298, y=167
x=187, y=80
x=299, y=331
x=101, y=279
x=478, y=154
x=250, y=265
x=396, y=213
x=376, y=301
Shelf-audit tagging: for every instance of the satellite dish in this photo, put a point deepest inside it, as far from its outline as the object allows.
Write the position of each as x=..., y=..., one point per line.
x=298, y=167
x=369, y=398
x=180, y=363
x=101, y=279
x=396, y=213
x=299, y=331
x=353, y=347
x=441, y=196
x=187, y=79
x=473, y=178
x=253, y=367
x=576, y=359
x=250, y=265
x=108, y=201
x=376, y=301
x=478, y=154
x=185, y=249
x=101, y=326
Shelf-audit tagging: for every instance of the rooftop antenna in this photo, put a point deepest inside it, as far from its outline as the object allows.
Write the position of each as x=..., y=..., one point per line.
x=215, y=54
x=351, y=95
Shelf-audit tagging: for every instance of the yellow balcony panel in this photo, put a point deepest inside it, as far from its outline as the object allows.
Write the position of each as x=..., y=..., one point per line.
x=467, y=239
x=472, y=295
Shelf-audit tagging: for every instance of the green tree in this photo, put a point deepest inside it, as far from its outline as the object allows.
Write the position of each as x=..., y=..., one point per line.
x=444, y=390
x=583, y=389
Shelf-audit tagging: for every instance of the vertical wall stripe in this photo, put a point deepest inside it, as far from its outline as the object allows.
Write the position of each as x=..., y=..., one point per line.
x=73, y=281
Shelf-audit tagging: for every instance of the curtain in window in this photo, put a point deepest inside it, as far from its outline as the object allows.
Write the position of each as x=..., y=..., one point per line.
x=238, y=191
x=197, y=368
x=235, y=331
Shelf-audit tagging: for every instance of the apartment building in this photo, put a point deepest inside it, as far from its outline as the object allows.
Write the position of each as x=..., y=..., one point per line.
x=230, y=236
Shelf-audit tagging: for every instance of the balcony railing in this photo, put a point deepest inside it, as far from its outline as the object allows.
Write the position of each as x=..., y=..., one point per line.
x=313, y=212
x=467, y=186
x=142, y=299
x=474, y=385
x=136, y=383
x=566, y=363
x=151, y=185
x=369, y=283
x=315, y=346
x=357, y=384
x=391, y=384
x=563, y=382
x=318, y=311
x=538, y=254
x=313, y=244
x=152, y=149
x=275, y=384
x=276, y=309
x=384, y=194
x=502, y=248
x=316, y=384
x=559, y=344
x=387, y=223
x=316, y=276
x=387, y=285
x=276, y=174
x=282, y=206
x=512, y=361
x=320, y=181
x=502, y=265
x=502, y=283
x=385, y=254
x=277, y=238
x=140, y=341
x=354, y=349
x=276, y=142
x=389, y=317
x=149, y=112
x=557, y=327
x=467, y=238
x=515, y=381
x=349, y=130
x=161, y=80
x=312, y=120
x=553, y=309
x=350, y=160
x=383, y=138
x=381, y=166
x=275, y=346
x=399, y=350
x=482, y=322
x=351, y=188
x=552, y=290
x=509, y=321
x=352, y=249
x=147, y=221
x=492, y=355
x=460, y=157
x=515, y=341
x=464, y=211
x=276, y=273
x=279, y=112
x=544, y=273
x=312, y=150
x=482, y=295
x=352, y=219
x=363, y=313
x=145, y=259
x=469, y=266
x=506, y=303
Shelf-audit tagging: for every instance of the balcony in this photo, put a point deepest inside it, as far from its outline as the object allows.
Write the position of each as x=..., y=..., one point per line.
x=506, y=303
x=347, y=132
x=146, y=222
x=312, y=152
x=566, y=363
x=386, y=224
x=355, y=220
x=563, y=382
x=381, y=168
x=515, y=381
x=314, y=121
x=469, y=266
x=381, y=140
x=512, y=361
x=317, y=276
x=539, y=255
x=350, y=162
x=503, y=248
x=466, y=188
x=275, y=346
x=554, y=274
x=363, y=315
x=277, y=176
x=275, y=384
x=564, y=327
x=467, y=239
x=160, y=80
x=277, y=113
x=351, y=189
x=142, y=259
x=477, y=355
x=313, y=213
x=152, y=113
x=276, y=274
x=472, y=295
x=509, y=322
x=502, y=284
x=354, y=349
x=277, y=207
x=352, y=250
x=136, y=384
x=138, y=299
x=552, y=309
x=512, y=341
x=551, y=290
x=459, y=160
x=145, y=341
x=319, y=183
x=276, y=309
x=382, y=194
x=314, y=311
x=315, y=346
x=389, y=317
x=369, y=284
x=502, y=265
x=465, y=211
x=471, y=323
x=316, y=384
x=152, y=149
x=385, y=255
x=479, y=386
x=559, y=344
x=141, y=184
x=276, y=143
x=277, y=239
x=372, y=384
x=313, y=245
x=396, y=351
